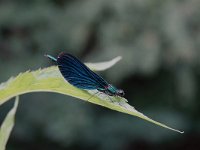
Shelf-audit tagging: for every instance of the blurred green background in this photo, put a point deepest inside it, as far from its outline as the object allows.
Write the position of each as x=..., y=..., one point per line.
x=159, y=42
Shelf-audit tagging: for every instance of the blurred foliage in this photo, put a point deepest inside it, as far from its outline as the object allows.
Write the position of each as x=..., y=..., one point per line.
x=159, y=41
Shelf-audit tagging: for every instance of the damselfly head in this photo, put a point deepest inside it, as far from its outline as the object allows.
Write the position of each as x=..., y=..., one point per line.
x=120, y=93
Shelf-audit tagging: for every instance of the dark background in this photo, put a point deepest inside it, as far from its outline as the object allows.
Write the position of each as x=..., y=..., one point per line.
x=159, y=42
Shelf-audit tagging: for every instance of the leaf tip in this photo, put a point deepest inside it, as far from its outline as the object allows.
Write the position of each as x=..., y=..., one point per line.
x=181, y=132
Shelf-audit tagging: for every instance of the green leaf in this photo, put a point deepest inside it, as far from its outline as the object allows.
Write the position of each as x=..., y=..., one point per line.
x=7, y=125
x=50, y=80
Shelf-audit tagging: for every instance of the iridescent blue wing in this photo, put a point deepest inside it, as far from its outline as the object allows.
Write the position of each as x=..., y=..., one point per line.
x=77, y=74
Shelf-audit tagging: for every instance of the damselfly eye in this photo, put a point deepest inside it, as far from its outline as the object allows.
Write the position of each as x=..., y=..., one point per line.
x=121, y=93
